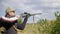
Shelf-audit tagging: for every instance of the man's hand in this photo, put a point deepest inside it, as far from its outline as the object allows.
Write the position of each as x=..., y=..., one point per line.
x=28, y=14
x=18, y=16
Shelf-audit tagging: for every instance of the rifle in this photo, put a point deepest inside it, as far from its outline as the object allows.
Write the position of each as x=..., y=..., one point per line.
x=25, y=13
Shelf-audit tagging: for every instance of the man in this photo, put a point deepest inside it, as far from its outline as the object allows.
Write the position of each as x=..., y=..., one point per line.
x=10, y=20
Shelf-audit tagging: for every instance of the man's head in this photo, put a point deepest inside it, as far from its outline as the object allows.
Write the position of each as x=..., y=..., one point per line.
x=10, y=11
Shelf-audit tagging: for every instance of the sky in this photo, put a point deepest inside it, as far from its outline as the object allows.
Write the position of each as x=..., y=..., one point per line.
x=46, y=7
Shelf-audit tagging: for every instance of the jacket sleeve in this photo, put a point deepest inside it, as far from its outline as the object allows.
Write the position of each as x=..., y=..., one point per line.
x=22, y=26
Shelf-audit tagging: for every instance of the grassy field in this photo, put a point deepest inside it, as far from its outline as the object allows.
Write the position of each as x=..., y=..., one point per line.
x=29, y=29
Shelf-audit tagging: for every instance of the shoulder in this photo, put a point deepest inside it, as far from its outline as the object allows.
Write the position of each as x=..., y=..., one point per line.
x=2, y=17
x=5, y=19
x=9, y=19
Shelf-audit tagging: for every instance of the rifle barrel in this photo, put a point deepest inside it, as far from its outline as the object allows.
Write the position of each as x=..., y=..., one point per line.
x=36, y=14
x=31, y=14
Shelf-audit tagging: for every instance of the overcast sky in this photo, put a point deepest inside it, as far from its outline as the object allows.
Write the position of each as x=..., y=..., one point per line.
x=46, y=7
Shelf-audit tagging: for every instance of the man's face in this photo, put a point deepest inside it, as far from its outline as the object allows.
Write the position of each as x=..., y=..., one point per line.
x=11, y=13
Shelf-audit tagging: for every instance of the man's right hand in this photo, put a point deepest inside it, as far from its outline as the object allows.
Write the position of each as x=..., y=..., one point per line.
x=28, y=14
